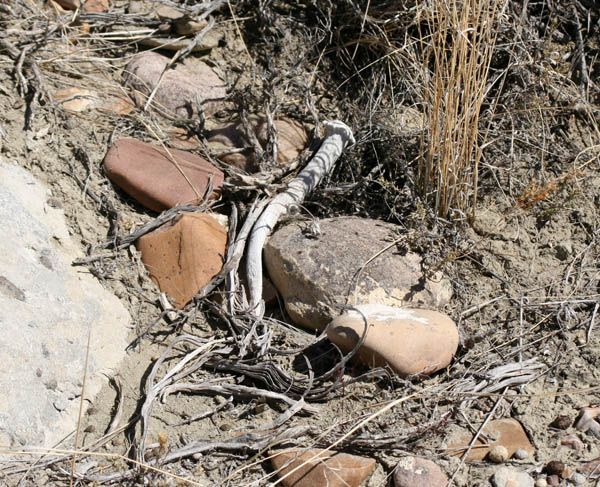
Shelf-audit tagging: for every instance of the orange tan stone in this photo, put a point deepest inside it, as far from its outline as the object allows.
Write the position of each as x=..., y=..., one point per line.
x=314, y=467
x=507, y=432
x=182, y=257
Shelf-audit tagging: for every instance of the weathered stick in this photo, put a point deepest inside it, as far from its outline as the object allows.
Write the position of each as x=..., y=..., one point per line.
x=337, y=137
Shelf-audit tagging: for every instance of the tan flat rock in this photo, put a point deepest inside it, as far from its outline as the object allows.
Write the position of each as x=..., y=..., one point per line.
x=303, y=468
x=507, y=432
x=410, y=341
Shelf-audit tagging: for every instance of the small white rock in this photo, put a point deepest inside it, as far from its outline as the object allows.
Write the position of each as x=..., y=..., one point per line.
x=521, y=454
x=578, y=479
x=541, y=483
x=498, y=454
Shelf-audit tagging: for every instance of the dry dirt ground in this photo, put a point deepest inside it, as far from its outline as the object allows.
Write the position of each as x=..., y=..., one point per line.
x=525, y=273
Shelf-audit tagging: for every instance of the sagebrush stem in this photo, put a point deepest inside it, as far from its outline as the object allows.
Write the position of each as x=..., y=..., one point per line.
x=337, y=136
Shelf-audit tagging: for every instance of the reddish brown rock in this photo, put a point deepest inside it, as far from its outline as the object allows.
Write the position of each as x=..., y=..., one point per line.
x=68, y=4
x=118, y=105
x=299, y=468
x=95, y=6
x=159, y=179
x=410, y=341
x=554, y=467
x=181, y=89
x=234, y=147
x=183, y=257
x=562, y=422
x=419, y=472
x=508, y=433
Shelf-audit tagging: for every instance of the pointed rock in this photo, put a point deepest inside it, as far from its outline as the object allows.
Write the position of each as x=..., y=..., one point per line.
x=180, y=90
x=507, y=432
x=303, y=468
x=410, y=341
x=159, y=179
x=419, y=472
x=348, y=260
x=184, y=256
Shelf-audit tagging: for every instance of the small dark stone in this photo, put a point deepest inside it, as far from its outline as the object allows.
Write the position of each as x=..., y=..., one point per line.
x=54, y=203
x=9, y=289
x=554, y=467
x=562, y=422
x=553, y=480
x=46, y=262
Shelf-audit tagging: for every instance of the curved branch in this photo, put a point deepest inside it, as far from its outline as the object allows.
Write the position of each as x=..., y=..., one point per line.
x=337, y=137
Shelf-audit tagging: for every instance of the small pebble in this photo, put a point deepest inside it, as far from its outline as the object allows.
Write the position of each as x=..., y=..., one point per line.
x=541, y=483
x=554, y=467
x=521, y=454
x=578, y=479
x=553, y=480
x=498, y=454
x=562, y=422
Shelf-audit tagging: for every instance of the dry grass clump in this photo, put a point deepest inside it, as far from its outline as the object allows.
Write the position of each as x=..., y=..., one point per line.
x=457, y=45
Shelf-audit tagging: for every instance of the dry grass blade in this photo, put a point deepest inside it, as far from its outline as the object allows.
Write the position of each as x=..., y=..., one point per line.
x=457, y=46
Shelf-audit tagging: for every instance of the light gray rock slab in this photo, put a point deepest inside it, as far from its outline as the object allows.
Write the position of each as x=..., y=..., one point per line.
x=47, y=310
x=511, y=477
x=350, y=260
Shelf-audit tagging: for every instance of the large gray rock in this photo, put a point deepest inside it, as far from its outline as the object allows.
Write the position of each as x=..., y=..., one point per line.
x=47, y=309
x=317, y=275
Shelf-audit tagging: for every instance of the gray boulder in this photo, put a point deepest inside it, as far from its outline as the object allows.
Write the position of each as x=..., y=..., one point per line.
x=47, y=309
x=316, y=274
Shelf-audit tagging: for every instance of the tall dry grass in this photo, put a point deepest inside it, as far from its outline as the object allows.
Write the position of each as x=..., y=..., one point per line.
x=457, y=41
